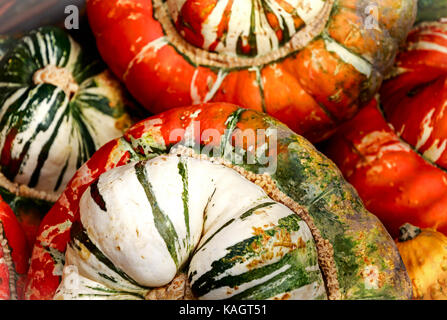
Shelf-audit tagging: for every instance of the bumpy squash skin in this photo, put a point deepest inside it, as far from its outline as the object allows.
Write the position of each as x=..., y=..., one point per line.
x=367, y=261
x=394, y=151
x=425, y=258
x=14, y=255
x=311, y=89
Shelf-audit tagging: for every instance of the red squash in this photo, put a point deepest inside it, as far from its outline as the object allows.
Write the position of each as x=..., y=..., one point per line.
x=14, y=255
x=309, y=63
x=395, y=153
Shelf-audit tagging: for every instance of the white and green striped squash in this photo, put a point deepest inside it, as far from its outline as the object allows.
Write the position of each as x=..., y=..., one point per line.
x=58, y=105
x=143, y=223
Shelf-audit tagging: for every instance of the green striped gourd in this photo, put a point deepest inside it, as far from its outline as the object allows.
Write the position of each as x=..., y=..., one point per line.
x=58, y=105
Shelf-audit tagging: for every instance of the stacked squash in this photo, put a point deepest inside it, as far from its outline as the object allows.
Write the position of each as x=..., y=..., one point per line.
x=153, y=214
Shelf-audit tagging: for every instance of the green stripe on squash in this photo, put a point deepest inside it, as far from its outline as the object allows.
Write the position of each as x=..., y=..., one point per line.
x=162, y=222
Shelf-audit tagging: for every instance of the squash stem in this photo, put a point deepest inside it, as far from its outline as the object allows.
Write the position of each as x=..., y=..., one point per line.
x=59, y=77
x=408, y=232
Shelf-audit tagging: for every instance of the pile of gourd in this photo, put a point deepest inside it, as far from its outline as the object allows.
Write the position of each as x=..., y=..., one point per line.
x=178, y=162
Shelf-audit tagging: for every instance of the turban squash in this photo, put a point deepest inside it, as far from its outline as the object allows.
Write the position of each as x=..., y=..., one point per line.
x=308, y=63
x=58, y=105
x=132, y=217
x=14, y=255
x=395, y=152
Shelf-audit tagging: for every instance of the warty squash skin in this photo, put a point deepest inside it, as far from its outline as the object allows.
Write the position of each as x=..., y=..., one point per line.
x=14, y=255
x=308, y=63
x=424, y=252
x=357, y=257
x=58, y=105
x=394, y=151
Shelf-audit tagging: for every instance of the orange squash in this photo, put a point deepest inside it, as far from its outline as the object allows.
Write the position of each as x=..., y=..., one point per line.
x=309, y=63
x=424, y=252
